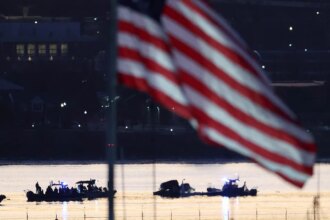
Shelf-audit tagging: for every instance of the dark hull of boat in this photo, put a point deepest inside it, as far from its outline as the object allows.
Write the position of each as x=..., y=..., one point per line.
x=167, y=194
x=213, y=192
x=2, y=197
x=32, y=197
x=231, y=193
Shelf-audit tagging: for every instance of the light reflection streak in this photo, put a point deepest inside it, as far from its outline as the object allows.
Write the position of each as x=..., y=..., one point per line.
x=65, y=210
x=225, y=208
x=237, y=202
x=96, y=203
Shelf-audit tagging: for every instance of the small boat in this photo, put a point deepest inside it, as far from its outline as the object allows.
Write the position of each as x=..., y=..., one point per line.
x=89, y=190
x=172, y=189
x=2, y=197
x=231, y=189
x=61, y=192
x=54, y=192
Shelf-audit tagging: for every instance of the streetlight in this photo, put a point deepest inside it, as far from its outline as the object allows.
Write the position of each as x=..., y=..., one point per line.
x=62, y=104
x=158, y=115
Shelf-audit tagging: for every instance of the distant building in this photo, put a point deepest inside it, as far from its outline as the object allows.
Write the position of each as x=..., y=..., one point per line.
x=58, y=59
x=46, y=39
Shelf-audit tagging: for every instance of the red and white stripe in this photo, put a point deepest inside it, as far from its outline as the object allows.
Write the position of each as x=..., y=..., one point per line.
x=201, y=67
x=144, y=60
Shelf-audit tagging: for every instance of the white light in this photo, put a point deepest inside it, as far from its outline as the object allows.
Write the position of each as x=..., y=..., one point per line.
x=263, y=66
x=95, y=19
x=85, y=112
x=225, y=207
x=305, y=50
x=36, y=22
x=290, y=28
x=317, y=12
x=64, y=103
x=51, y=58
x=29, y=58
x=79, y=125
x=171, y=129
x=290, y=45
x=32, y=125
x=126, y=126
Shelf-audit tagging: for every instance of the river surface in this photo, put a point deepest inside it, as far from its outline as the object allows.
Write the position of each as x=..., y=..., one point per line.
x=135, y=183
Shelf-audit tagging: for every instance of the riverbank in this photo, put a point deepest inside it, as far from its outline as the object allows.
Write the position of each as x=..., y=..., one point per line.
x=85, y=145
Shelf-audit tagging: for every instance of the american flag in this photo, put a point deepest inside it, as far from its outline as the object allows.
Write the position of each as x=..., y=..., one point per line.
x=187, y=57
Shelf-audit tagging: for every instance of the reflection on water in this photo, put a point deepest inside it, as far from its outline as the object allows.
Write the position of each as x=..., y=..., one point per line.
x=276, y=199
x=225, y=208
x=65, y=210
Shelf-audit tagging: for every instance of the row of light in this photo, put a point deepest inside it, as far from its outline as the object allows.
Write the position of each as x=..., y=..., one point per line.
x=30, y=58
x=34, y=125
x=36, y=22
x=79, y=126
x=171, y=129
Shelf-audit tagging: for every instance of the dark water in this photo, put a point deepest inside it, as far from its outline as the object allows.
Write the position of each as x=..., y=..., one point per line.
x=134, y=183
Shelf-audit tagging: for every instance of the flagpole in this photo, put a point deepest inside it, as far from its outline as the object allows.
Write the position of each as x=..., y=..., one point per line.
x=111, y=128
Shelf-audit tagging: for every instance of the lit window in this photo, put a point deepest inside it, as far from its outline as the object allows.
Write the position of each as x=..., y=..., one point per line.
x=31, y=49
x=20, y=49
x=42, y=49
x=53, y=49
x=64, y=49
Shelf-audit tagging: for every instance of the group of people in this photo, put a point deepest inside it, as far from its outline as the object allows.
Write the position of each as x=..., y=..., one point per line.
x=64, y=190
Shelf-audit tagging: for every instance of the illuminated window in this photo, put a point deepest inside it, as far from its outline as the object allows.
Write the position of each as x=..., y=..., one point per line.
x=52, y=49
x=20, y=49
x=42, y=49
x=31, y=49
x=64, y=49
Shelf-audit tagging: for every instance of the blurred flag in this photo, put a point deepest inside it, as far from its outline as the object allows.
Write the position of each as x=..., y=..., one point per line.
x=188, y=58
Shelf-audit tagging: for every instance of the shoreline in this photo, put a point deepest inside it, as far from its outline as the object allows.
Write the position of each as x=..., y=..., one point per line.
x=4, y=162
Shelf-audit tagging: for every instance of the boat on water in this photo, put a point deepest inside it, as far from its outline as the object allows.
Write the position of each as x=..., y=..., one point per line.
x=231, y=189
x=86, y=189
x=2, y=197
x=172, y=189
x=89, y=190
